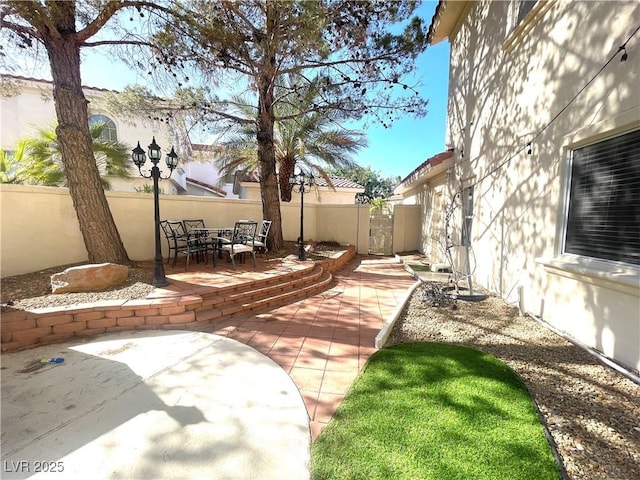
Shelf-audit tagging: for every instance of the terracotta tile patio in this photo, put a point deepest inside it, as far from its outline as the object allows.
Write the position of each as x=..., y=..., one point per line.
x=323, y=341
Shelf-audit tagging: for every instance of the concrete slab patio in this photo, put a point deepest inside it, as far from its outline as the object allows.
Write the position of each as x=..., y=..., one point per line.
x=151, y=405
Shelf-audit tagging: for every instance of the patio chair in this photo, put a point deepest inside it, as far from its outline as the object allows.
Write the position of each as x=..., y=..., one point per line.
x=260, y=242
x=183, y=244
x=172, y=241
x=203, y=237
x=242, y=241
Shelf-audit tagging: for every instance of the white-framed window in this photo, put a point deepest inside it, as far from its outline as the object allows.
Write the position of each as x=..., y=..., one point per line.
x=522, y=17
x=109, y=132
x=603, y=206
x=517, y=12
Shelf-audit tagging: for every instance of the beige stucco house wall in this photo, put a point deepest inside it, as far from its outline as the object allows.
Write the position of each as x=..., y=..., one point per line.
x=429, y=189
x=27, y=106
x=554, y=79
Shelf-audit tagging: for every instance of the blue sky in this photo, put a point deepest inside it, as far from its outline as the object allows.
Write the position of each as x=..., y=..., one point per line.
x=393, y=151
x=409, y=142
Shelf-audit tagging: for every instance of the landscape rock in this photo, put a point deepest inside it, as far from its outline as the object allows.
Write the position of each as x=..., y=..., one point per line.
x=89, y=278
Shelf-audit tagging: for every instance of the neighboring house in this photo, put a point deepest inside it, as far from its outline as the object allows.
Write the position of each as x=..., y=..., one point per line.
x=428, y=187
x=202, y=175
x=26, y=105
x=544, y=129
x=343, y=191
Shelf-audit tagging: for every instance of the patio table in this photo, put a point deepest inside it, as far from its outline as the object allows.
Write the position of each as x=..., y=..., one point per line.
x=219, y=236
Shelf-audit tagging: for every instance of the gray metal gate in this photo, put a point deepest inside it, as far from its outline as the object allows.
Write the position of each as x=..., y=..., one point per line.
x=381, y=234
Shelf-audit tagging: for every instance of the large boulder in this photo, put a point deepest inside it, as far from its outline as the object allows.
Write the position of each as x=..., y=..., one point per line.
x=89, y=278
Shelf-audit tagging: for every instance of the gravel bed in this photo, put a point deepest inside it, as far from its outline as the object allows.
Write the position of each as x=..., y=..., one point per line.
x=33, y=290
x=591, y=411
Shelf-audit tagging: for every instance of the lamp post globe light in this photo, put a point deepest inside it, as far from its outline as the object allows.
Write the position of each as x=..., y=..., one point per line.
x=302, y=183
x=138, y=156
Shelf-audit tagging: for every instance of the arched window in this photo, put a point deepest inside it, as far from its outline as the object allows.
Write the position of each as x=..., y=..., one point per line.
x=110, y=132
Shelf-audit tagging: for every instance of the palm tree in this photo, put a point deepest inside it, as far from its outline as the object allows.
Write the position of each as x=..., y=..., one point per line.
x=41, y=160
x=379, y=205
x=304, y=136
x=10, y=167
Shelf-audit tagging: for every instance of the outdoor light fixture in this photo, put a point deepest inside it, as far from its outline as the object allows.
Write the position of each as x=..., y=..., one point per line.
x=624, y=57
x=139, y=158
x=302, y=182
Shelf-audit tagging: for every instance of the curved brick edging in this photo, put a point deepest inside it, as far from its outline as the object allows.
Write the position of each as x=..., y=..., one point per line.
x=332, y=265
x=21, y=329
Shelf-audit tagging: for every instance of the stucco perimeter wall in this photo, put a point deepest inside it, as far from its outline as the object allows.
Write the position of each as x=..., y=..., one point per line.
x=407, y=228
x=39, y=228
x=345, y=224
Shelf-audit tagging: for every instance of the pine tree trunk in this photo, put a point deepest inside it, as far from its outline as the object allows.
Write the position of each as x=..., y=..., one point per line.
x=266, y=120
x=268, y=176
x=99, y=231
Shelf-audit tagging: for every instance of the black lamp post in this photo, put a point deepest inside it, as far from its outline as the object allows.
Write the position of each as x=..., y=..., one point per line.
x=302, y=182
x=138, y=156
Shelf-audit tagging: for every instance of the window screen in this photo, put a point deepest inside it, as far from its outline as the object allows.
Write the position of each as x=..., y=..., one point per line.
x=603, y=218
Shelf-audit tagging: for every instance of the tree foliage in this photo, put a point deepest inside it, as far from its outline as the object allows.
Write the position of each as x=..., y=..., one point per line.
x=304, y=138
x=376, y=186
x=10, y=167
x=350, y=43
x=364, y=51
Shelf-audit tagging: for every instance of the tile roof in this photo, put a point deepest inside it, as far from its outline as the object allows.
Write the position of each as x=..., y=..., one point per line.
x=337, y=182
x=199, y=147
x=215, y=189
x=50, y=82
x=425, y=166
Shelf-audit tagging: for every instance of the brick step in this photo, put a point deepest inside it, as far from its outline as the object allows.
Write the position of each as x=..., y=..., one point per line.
x=273, y=279
x=321, y=283
x=265, y=288
x=265, y=298
x=23, y=328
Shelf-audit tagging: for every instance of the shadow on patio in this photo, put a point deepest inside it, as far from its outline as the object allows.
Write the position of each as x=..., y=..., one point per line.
x=322, y=341
x=320, y=327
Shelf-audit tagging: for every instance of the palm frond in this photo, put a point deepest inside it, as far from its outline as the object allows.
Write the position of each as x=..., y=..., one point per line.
x=302, y=136
x=41, y=159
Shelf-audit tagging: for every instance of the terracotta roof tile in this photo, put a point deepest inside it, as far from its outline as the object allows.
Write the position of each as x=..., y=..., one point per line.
x=49, y=82
x=215, y=189
x=425, y=166
x=337, y=182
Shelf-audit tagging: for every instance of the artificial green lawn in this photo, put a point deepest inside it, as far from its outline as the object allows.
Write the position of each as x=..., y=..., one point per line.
x=434, y=411
x=420, y=268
